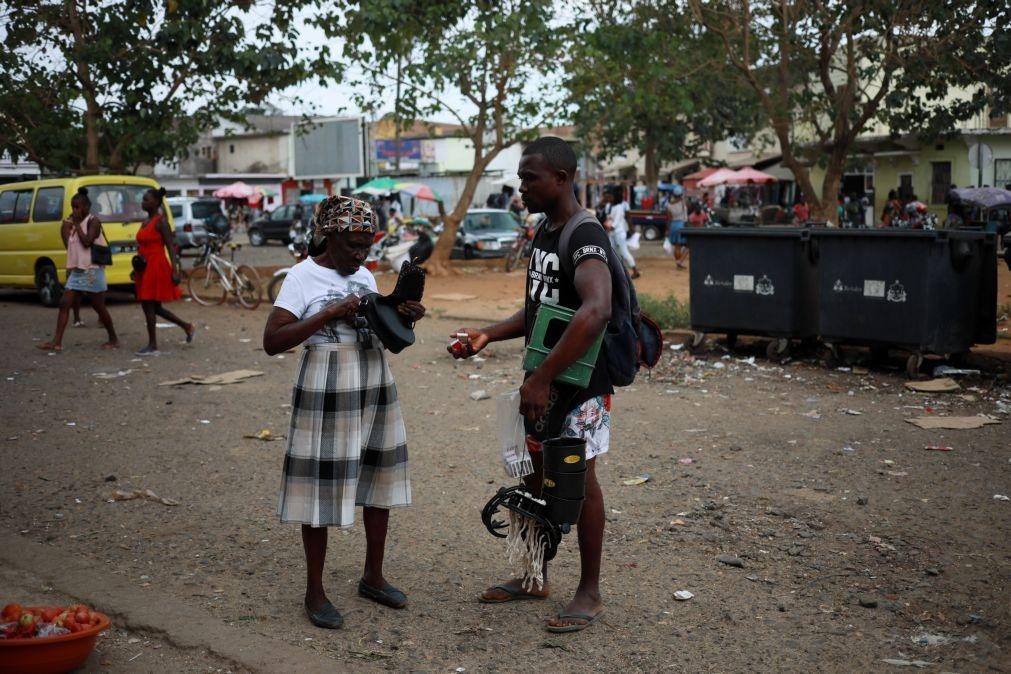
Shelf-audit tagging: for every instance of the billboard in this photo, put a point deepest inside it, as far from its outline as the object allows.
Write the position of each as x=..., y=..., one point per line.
x=388, y=149
x=328, y=148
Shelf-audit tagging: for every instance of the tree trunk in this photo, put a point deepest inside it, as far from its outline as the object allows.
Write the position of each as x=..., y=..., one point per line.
x=652, y=170
x=92, y=112
x=829, y=206
x=438, y=264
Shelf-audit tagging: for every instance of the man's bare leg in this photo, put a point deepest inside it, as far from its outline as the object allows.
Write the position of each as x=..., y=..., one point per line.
x=587, y=599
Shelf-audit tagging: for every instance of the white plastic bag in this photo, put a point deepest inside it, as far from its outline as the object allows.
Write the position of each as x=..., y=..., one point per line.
x=633, y=241
x=512, y=435
x=668, y=247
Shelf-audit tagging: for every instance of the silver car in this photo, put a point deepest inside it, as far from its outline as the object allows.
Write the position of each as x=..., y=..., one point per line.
x=485, y=232
x=194, y=216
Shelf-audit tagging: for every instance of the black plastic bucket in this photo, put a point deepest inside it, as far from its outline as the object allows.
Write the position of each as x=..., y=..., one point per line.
x=564, y=455
x=565, y=485
x=562, y=510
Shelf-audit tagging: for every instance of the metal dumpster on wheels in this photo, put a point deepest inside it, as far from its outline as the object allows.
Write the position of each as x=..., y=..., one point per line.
x=753, y=281
x=922, y=291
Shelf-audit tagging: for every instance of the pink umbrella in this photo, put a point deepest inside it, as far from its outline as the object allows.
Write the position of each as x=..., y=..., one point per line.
x=748, y=175
x=720, y=177
x=237, y=190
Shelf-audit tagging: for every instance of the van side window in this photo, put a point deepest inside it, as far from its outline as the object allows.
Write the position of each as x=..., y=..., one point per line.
x=7, y=201
x=48, y=205
x=23, y=206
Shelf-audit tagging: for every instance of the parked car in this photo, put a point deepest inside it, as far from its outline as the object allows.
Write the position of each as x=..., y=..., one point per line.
x=277, y=224
x=485, y=232
x=32, y=254
x=195, y=217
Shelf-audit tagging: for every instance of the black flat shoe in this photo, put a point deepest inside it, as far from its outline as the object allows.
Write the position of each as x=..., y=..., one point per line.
x=327, y=617
x=387, y=596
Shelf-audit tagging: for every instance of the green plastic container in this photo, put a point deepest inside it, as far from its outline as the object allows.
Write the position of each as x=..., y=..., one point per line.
x=549, y=325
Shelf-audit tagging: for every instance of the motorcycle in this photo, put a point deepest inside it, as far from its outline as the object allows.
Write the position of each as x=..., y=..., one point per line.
x=412, y=242
x=523, y=244
x=299, y=249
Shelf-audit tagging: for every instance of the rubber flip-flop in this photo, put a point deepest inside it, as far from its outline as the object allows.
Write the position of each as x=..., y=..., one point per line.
x=578, y=627
x=511, y=595
x=190, y=333
x=387, y=596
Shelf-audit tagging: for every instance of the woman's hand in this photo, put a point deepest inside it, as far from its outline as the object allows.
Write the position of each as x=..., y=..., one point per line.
x=411, y=309
x=176, y=277
x=345, y=309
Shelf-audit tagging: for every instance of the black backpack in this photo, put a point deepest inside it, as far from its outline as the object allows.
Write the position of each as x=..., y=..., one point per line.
x=631, y=339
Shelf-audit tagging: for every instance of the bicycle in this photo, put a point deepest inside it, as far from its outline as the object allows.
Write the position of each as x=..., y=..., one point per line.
x=214, y=277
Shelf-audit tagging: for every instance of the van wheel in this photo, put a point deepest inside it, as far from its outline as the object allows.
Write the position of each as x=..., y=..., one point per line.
x=651, y=233
x=48, y=284
x=256, y=237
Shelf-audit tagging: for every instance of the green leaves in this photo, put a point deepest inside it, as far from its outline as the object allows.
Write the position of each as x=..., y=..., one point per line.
x=155, y=73
x=639, y=78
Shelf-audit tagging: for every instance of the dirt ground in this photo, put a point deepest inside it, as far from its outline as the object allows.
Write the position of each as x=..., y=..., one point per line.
x=860, y=549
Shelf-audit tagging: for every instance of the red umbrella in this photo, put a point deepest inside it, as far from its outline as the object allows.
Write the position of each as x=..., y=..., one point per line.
x=720, y=177
x=748, y=175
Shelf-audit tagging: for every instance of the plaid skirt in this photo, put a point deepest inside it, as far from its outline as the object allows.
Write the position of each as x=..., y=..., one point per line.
x=347, y=445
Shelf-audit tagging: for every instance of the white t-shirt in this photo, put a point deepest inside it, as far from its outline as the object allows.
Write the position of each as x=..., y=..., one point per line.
x=617, y=216
x=309, y=287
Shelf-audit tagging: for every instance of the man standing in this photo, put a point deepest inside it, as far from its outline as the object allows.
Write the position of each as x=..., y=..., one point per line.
x=617, y=227
x=552, y=409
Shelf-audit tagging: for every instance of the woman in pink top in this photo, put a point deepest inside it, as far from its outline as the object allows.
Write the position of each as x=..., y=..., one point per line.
x=79, y=231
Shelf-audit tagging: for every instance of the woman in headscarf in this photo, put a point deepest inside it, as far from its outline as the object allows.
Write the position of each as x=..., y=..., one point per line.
x=347, y=445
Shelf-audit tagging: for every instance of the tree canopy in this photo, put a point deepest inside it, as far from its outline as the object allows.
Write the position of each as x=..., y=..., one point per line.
x=480, y=61
x=92, y=85
x=826, y=72
x=640, y=78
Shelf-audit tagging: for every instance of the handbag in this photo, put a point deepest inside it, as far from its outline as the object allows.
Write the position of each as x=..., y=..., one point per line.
x=101, y=255
x=139, y=263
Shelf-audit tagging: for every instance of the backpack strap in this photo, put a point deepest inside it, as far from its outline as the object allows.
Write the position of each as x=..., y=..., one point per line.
x=568, y=229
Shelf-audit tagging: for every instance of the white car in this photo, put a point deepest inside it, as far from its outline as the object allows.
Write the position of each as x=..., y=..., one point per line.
x=194, y=217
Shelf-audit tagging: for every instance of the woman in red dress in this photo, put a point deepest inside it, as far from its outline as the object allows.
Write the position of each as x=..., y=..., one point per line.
x=158, y=281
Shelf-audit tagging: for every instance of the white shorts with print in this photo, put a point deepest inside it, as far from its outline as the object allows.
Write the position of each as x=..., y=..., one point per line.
x=591, y=422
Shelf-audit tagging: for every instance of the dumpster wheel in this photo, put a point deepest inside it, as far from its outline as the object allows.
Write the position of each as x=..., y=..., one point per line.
x=695, y=341
x=777, y=349
x=829, y=354
x=913, y=364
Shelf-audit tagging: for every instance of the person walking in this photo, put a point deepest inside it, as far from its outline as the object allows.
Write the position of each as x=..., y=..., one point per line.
x=347, y=445
x=157, y=279
x=678, y=216
x=553, y=409
x=617, y=227
x=80, y=231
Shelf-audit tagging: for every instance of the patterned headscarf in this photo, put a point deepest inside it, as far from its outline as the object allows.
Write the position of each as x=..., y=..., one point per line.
x=344, y=214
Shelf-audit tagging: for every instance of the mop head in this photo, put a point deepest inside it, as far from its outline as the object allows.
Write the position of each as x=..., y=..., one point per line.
x=526, y=543
x=531, y=538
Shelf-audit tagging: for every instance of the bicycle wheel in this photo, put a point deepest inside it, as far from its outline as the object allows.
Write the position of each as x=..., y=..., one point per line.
x=274, y=287
x=206, y=287
x=248, y=288
x=512, y=258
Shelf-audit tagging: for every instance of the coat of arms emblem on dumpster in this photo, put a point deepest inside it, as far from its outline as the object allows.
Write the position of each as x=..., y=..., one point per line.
x=897, y=292
x=764, y=286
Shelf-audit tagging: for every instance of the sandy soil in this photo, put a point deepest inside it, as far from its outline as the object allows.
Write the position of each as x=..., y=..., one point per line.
x=857, y=544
